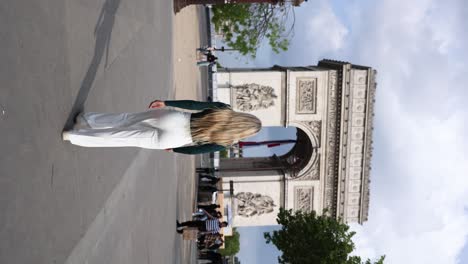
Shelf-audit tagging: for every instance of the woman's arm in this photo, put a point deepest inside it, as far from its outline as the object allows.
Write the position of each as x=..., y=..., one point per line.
x=195, y=105
x=193, y=150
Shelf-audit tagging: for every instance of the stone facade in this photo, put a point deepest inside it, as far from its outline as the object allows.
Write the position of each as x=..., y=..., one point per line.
x=331, y=105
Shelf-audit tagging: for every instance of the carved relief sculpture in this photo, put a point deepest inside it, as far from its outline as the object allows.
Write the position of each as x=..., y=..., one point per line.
x=250, y=204
x=306, y=96
x=303, y=199
x=316, y=128
x=314, y=172
x=251, y=97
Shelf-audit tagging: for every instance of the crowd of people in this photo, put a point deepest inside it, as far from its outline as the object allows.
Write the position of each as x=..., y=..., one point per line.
x=207, y=220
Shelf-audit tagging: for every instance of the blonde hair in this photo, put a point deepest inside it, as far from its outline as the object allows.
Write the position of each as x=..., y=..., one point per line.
x=224, y=127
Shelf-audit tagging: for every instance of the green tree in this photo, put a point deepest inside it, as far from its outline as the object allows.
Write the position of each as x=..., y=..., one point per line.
x=308, y=238
x=245, y=26
x=223, y=153
x=231, y=244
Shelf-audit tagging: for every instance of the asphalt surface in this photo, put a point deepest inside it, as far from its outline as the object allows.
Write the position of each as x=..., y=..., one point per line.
x=61, y=203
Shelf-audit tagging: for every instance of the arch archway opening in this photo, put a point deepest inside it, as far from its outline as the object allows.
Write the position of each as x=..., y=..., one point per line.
x=302, y=156
x=285, y=150
x=268, y=142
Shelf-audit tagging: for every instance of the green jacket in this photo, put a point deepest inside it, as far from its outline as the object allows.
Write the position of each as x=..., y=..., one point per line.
x=196, y=105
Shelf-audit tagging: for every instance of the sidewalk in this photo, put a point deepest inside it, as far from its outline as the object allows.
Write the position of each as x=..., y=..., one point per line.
x=190, y=82
x=190, y=32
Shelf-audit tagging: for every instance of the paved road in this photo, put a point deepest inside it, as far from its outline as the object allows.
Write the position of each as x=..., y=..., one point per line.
x=65, y=204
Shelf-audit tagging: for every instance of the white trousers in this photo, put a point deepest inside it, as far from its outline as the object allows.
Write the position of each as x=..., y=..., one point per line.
x=152, y=129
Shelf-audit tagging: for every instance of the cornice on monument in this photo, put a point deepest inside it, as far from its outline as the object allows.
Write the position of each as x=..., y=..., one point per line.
x=332, y=139
x=332, y=191
x=365, y=198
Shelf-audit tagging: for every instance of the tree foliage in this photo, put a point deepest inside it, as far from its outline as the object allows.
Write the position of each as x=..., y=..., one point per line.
x=308, y=238
x=223, y=154
x=245, y=26
x=231, y=244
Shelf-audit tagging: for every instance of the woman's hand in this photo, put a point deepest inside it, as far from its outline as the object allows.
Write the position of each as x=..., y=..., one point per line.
x=157, y=104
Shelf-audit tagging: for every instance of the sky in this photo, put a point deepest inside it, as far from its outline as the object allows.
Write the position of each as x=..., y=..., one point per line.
x=271, y=133
x=419, y=189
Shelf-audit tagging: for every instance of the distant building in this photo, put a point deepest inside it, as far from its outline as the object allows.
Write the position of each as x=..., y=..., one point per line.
x=332, y=107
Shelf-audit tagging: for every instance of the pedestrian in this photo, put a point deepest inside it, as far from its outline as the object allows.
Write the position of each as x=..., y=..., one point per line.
x=215, y=244
x=204, y=214
x=213, y=128
x=209, y=241
x=205, y=178
x=210, y=189
x=211, y=255
x=211, y=207
x=211, y=226
x=207, y=170
x=210, y=59
x=216, y=214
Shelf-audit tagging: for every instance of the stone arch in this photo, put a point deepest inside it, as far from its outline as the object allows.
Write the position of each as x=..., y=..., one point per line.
x=300, y=162
x=305, y=150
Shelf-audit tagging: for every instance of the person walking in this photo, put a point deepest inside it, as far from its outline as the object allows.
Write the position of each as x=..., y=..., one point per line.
x=207, y=188
x=210, y=255
x=214, y=127
x=210, y=59
x=205, y=178
x=204, y=215
x=211, y=226
x=211, y=171
x=211, y=207
x=210, y=241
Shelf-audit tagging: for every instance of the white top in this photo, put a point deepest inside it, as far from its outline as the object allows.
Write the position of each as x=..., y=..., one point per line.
x=174, y=129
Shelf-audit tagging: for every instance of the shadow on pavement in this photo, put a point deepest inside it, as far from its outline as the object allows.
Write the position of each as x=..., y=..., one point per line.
x=102, y=33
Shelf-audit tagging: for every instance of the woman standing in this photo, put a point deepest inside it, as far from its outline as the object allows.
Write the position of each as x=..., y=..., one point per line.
x=213, y=128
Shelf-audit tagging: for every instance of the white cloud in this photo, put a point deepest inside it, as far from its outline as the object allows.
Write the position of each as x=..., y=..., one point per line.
x=318, y=32
x=419, y=188
x=324, y=31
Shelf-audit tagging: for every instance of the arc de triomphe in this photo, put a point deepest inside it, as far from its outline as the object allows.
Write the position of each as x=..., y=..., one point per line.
x=331, y=105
